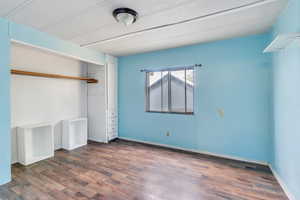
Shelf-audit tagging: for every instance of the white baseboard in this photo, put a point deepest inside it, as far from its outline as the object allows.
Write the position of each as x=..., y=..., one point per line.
x=196, y=151
x=282, y=184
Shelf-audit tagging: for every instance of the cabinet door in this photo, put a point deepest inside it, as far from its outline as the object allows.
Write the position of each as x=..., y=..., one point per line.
x=97, y=102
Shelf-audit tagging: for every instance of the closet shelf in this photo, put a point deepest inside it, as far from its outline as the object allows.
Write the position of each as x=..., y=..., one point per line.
x=26, y=73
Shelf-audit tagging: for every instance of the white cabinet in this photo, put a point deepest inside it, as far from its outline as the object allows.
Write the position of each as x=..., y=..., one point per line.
x=35, y=143
x=102, y=101
x=74, y=133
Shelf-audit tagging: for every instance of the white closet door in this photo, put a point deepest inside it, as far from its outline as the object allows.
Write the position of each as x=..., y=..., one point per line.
x=97, y=104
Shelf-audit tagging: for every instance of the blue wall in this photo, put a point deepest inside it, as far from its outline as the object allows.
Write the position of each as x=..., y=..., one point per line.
x=4, y=103
x=236, y=77
x=286, y=155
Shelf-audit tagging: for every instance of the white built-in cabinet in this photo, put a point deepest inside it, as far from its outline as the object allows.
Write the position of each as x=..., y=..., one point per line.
x=74, y=133
x=35, y=143
x=102, y=101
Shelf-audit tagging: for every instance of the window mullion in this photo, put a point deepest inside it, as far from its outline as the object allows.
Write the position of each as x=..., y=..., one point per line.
x=161, y=85
x=147, y=92
x=185, y=95
x=169, y=93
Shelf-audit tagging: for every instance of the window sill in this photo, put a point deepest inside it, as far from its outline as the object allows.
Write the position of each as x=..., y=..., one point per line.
x=179, y=113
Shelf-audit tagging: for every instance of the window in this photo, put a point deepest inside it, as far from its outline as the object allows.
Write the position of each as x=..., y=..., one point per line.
x=170, y=91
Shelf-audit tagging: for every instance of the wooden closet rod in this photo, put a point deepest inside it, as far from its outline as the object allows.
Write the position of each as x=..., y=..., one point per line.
x=26, y=73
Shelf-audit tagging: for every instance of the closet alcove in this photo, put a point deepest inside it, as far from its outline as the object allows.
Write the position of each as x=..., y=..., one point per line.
x=51, y=88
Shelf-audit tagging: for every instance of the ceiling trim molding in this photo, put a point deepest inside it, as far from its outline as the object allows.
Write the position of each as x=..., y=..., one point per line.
x=221, y=12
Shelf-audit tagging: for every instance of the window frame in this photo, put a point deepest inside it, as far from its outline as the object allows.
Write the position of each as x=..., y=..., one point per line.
x=147, y=92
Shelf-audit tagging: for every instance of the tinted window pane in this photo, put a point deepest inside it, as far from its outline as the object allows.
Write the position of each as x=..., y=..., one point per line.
x=190, y=90
x=155, y=97
x=177, y=80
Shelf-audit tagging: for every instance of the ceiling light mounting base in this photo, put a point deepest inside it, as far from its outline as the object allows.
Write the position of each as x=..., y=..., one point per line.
x=126, y=16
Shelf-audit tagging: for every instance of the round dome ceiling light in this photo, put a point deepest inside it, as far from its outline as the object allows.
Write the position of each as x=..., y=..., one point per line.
x=126, y=16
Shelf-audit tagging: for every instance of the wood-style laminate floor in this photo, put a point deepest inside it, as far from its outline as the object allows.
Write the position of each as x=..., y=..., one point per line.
x=125, y=170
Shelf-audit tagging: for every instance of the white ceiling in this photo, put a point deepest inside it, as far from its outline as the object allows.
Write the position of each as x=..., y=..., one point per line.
x=90, y=22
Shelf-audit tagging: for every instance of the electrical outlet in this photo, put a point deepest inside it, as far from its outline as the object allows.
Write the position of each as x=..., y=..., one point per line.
x=168, y=133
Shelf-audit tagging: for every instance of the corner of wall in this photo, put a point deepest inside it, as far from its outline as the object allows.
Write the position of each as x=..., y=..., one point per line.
x=285, y=78
x=5, y=139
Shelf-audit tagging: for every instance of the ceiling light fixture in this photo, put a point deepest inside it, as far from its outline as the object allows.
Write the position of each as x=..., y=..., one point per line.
x=126, y=16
